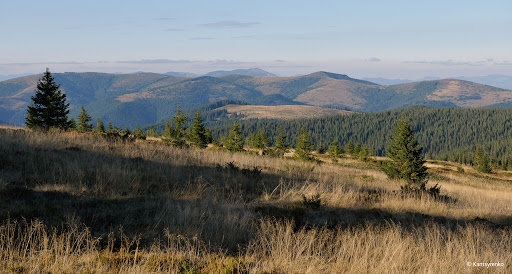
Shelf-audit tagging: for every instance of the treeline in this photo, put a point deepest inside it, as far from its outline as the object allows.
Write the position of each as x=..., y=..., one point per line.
x=446, y=133
x=211, y=115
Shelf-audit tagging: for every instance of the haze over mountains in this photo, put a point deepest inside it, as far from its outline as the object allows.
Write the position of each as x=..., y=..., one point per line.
x=144, y=98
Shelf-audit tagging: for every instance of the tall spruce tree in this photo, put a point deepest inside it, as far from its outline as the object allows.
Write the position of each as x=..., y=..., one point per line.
x=84, y=121
x=407, y=162
x=48, y=108
x=198, y=132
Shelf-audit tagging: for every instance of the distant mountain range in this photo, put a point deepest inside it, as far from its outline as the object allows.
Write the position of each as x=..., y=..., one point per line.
x=145, y=98
x=220, y=73
x=496, y=80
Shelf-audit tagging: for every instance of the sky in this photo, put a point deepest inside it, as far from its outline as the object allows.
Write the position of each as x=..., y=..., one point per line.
x=366, y=38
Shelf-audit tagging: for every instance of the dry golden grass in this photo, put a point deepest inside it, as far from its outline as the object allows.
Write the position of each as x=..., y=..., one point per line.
x=81, y=203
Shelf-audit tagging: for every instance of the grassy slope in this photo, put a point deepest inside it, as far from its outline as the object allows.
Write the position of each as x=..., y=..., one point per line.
x=281, y=112
x=209, y=215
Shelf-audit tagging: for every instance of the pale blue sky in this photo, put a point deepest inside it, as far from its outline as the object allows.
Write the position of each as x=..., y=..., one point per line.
x=394, y=39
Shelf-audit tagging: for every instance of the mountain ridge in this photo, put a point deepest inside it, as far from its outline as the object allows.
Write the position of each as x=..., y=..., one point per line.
x=144, y=98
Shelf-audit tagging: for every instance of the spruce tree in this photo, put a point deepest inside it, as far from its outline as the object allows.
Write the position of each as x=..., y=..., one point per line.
x=110, y=129
x=260, y=140
x=357, y=149
x=48, y=108
x=169, y=131
x=482, y=161
x=84, y=121
x=100, y=128
x=407, y=162
x=139, y=135
x=335, y=150
x=350, y=148
x=364, y=153
x=198, y=132
x=304, y=145
x=180, y=120
x=235, y=141
x=151, y=132
x=126, y=132
x=72, y=123
x=281, y=141
x=320, y=148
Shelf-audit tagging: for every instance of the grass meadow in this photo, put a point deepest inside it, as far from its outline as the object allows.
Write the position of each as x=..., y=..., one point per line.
x=73, y=202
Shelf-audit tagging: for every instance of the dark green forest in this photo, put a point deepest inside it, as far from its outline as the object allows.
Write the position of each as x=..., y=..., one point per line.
x=446, y=133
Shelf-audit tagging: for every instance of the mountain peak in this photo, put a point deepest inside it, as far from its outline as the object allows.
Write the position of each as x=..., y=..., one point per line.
x=325, y=74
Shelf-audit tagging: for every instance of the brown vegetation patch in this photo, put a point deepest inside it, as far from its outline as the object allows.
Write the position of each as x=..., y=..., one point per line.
x=283, y=111
x=468, y=94
x=333, y=91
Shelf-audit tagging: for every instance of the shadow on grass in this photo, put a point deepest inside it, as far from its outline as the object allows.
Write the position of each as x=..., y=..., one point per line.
x=144, y=197
x=332, y=217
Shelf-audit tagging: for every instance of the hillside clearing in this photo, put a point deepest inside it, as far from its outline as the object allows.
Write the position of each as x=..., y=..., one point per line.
x=282, y=112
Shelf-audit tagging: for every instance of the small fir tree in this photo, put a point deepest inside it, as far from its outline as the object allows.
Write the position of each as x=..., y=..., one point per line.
x=198, y=132
x=260, y=140
x=110, y=129
x=126, y=132
x=364, y=153
x=349, y=148
x=151, y=132
x=139, y=135
x=180, y=120
x=235, y=140
x=304, y=145
x=406, y=156
x=281, y=142
x=169, y=131
x=84, y=121
x=357, y=149
x=335, y=150
x=72, y=123
x=482, y=161
x=48, y=108
x=100, y=128
x=320, y=148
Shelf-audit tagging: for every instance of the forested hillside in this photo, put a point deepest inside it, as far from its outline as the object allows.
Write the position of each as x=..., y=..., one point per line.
x=445, y=133
x=146, y=98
